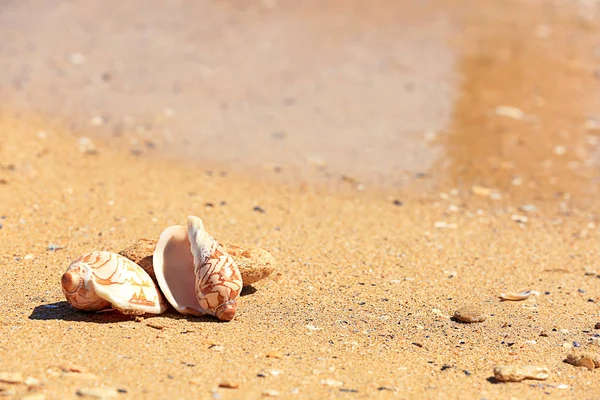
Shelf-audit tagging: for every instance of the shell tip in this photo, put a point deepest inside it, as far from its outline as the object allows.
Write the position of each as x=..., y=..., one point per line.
x=226, y=312
x=70, y=281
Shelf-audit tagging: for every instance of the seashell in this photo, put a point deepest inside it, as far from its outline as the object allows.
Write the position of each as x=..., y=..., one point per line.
x=253, y=262
x=218, y=279
x=185, y=255
x=513, y=373
x=516, y=296
x=99, y=280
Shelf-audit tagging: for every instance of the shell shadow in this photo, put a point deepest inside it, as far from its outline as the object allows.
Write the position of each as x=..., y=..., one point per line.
x=248, y=290
x=62, y=310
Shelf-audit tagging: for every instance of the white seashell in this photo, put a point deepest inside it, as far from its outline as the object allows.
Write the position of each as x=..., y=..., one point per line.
x=99, y=280
x=218, y=279
x=194, y=272
x=173, y=264
x=516, y=296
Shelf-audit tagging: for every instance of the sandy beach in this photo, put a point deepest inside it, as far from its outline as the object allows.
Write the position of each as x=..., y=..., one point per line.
x=372, y=262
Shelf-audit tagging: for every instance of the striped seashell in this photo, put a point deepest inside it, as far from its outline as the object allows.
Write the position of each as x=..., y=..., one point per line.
x=194, y=272
x=218, y=279
x=100, y=280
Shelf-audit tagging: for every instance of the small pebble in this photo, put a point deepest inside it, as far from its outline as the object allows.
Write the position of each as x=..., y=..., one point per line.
x=259, y=209
x=270, y=393
x=528, y=208
x=5, y=392
x=510, y=112
x=511, y=373
x=470, y=313
x=521, y=219
x=229, y=385
x=331, y=382
x=77, y=58
x=54, y=247
x=481, y=191
x=597, y=326
x=444, y=225
x=32, y=382
x=11, y=377
x=97, y=392
x=275, y=354
x=397, y=202
x=34, y=396
x=576, y=344
x=585, y=359
x=85, y=145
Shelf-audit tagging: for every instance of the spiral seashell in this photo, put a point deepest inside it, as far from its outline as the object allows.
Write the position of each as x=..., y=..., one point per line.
x=218, y=280
x=100, y=280
x=194, y=273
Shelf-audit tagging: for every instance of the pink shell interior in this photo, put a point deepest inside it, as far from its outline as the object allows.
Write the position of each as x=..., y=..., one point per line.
x=174, y=268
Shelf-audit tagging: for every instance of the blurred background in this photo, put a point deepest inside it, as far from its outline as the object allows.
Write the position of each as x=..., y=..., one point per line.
x=501, y=93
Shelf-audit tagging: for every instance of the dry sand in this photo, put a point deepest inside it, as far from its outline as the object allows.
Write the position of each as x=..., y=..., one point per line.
x=367, y=280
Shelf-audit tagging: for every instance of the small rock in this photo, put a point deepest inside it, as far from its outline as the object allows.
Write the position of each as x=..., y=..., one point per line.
x=510, y=112
x=259, y=209
x=97, y=121
x=481, y=190
x=85, y=145
x=470, y=313
x=98, y=393
x=397, y=202
x=28, y=257
x=521, y=219
x=34, y=396
x=11, y=377
x=313, y=328
x=270, y=393
x=560, y=150
x=229, y=385
x=275, y=354
x=528, y=208
x=444, y=225
x=77, y=58
x=331, y=382
x=216, y=347
x=6, y=392
x=54, y=247
x=511, y=373
x=32, y=382
x=68, y=367
x=585, y=359
x=597, y=326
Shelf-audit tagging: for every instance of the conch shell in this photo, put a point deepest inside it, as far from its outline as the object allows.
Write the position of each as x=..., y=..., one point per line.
x=184, y=255
x=100, y=280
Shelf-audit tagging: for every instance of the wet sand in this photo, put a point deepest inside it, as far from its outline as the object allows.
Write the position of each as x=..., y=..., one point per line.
x=369, y=274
